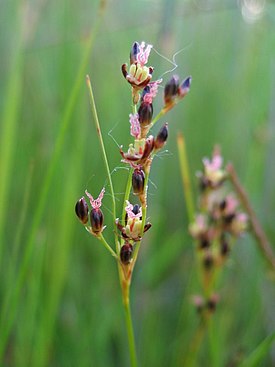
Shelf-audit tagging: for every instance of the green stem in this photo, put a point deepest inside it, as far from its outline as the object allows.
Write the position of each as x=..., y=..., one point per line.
x=98, y=129
x=196, y=341
x=185, y=174
x=159, y=115
x=130, y=330
x=107, y=246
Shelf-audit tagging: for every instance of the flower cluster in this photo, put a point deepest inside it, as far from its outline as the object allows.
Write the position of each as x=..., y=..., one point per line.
x=95, y=214
x=218, y=222
x=139, y=155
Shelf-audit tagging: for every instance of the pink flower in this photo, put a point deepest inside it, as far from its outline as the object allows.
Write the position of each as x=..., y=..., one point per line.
x=213, y=172
x=231, y=204
x=96, y=203
x=135, y=125
x=213, y=165
x=129, y=210
x=143, y=54
x=149, y=96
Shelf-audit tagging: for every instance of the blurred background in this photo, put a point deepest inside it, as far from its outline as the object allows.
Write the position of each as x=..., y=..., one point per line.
x=59, y=291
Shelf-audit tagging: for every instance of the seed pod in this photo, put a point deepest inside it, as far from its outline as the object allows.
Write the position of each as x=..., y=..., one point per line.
x=82, y=211
x=208, y=262
x=136, y=209
x=96, y=219
x=145, y=114
x=224, y=248
x=126, y=253
x=149, y=146
x=212, y=302
x=171, y=90
x=162, y=137
x=184, y=87
x=138, y=178
x=133, y=53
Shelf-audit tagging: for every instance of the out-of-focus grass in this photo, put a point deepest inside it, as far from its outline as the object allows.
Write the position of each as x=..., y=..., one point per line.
x=68, y=310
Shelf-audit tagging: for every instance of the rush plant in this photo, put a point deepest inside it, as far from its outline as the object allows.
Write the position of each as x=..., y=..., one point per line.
x=130, y=227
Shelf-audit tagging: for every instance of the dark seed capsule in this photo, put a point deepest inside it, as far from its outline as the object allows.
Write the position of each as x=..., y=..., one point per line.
x=145, y=113
x=171, y=89
x=212, y=302
x=149, y=146
x=138, y=178
x=184, y=87
x=223, y=204
x=224, y=248
x=82, y=211
x=228, y=219
x=96, y=219
x=136, y=209
x=204, y=243
x=208, y=262
x=162, y=137
x=145, y=91
x=133, y=53
x=126, y=253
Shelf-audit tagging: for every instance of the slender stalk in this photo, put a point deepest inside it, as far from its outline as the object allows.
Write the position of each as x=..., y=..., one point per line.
x=159, y=115
x=98, y=129
x=259, y=233
x=130, y=331
x=107, y=246
x=185, y=174
x=190, y=359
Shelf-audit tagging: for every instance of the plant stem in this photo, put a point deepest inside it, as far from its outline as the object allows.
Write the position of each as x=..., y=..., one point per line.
x=107, y=246
x=185, y=174
x=129, y=325
x=196, y=341
x=259, y=233
x=98, y=129
x=159, y=115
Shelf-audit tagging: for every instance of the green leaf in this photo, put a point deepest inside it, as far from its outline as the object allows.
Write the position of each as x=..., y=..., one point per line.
x=259, y=353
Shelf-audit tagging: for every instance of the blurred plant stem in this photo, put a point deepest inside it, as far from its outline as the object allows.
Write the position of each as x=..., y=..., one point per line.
x=259, y=233
x=207, y=278
x=185, y=174
x=190, y=358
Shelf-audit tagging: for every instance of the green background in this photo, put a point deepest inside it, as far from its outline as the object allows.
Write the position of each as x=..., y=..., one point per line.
x=59, y=291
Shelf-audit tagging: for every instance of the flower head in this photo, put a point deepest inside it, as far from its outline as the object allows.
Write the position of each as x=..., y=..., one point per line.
x=131, y=212
x=213, y=174
x=139, y=75
x=143, y=54
x=151, y=91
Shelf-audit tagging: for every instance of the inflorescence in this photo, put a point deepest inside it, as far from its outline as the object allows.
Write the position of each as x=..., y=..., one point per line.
x=217, y=225
x=140, y=153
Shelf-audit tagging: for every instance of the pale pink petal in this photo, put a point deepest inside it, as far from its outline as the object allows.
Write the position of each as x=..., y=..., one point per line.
x=96, y=203
x=135, y=125
x=129, y=210
x=143, y=55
